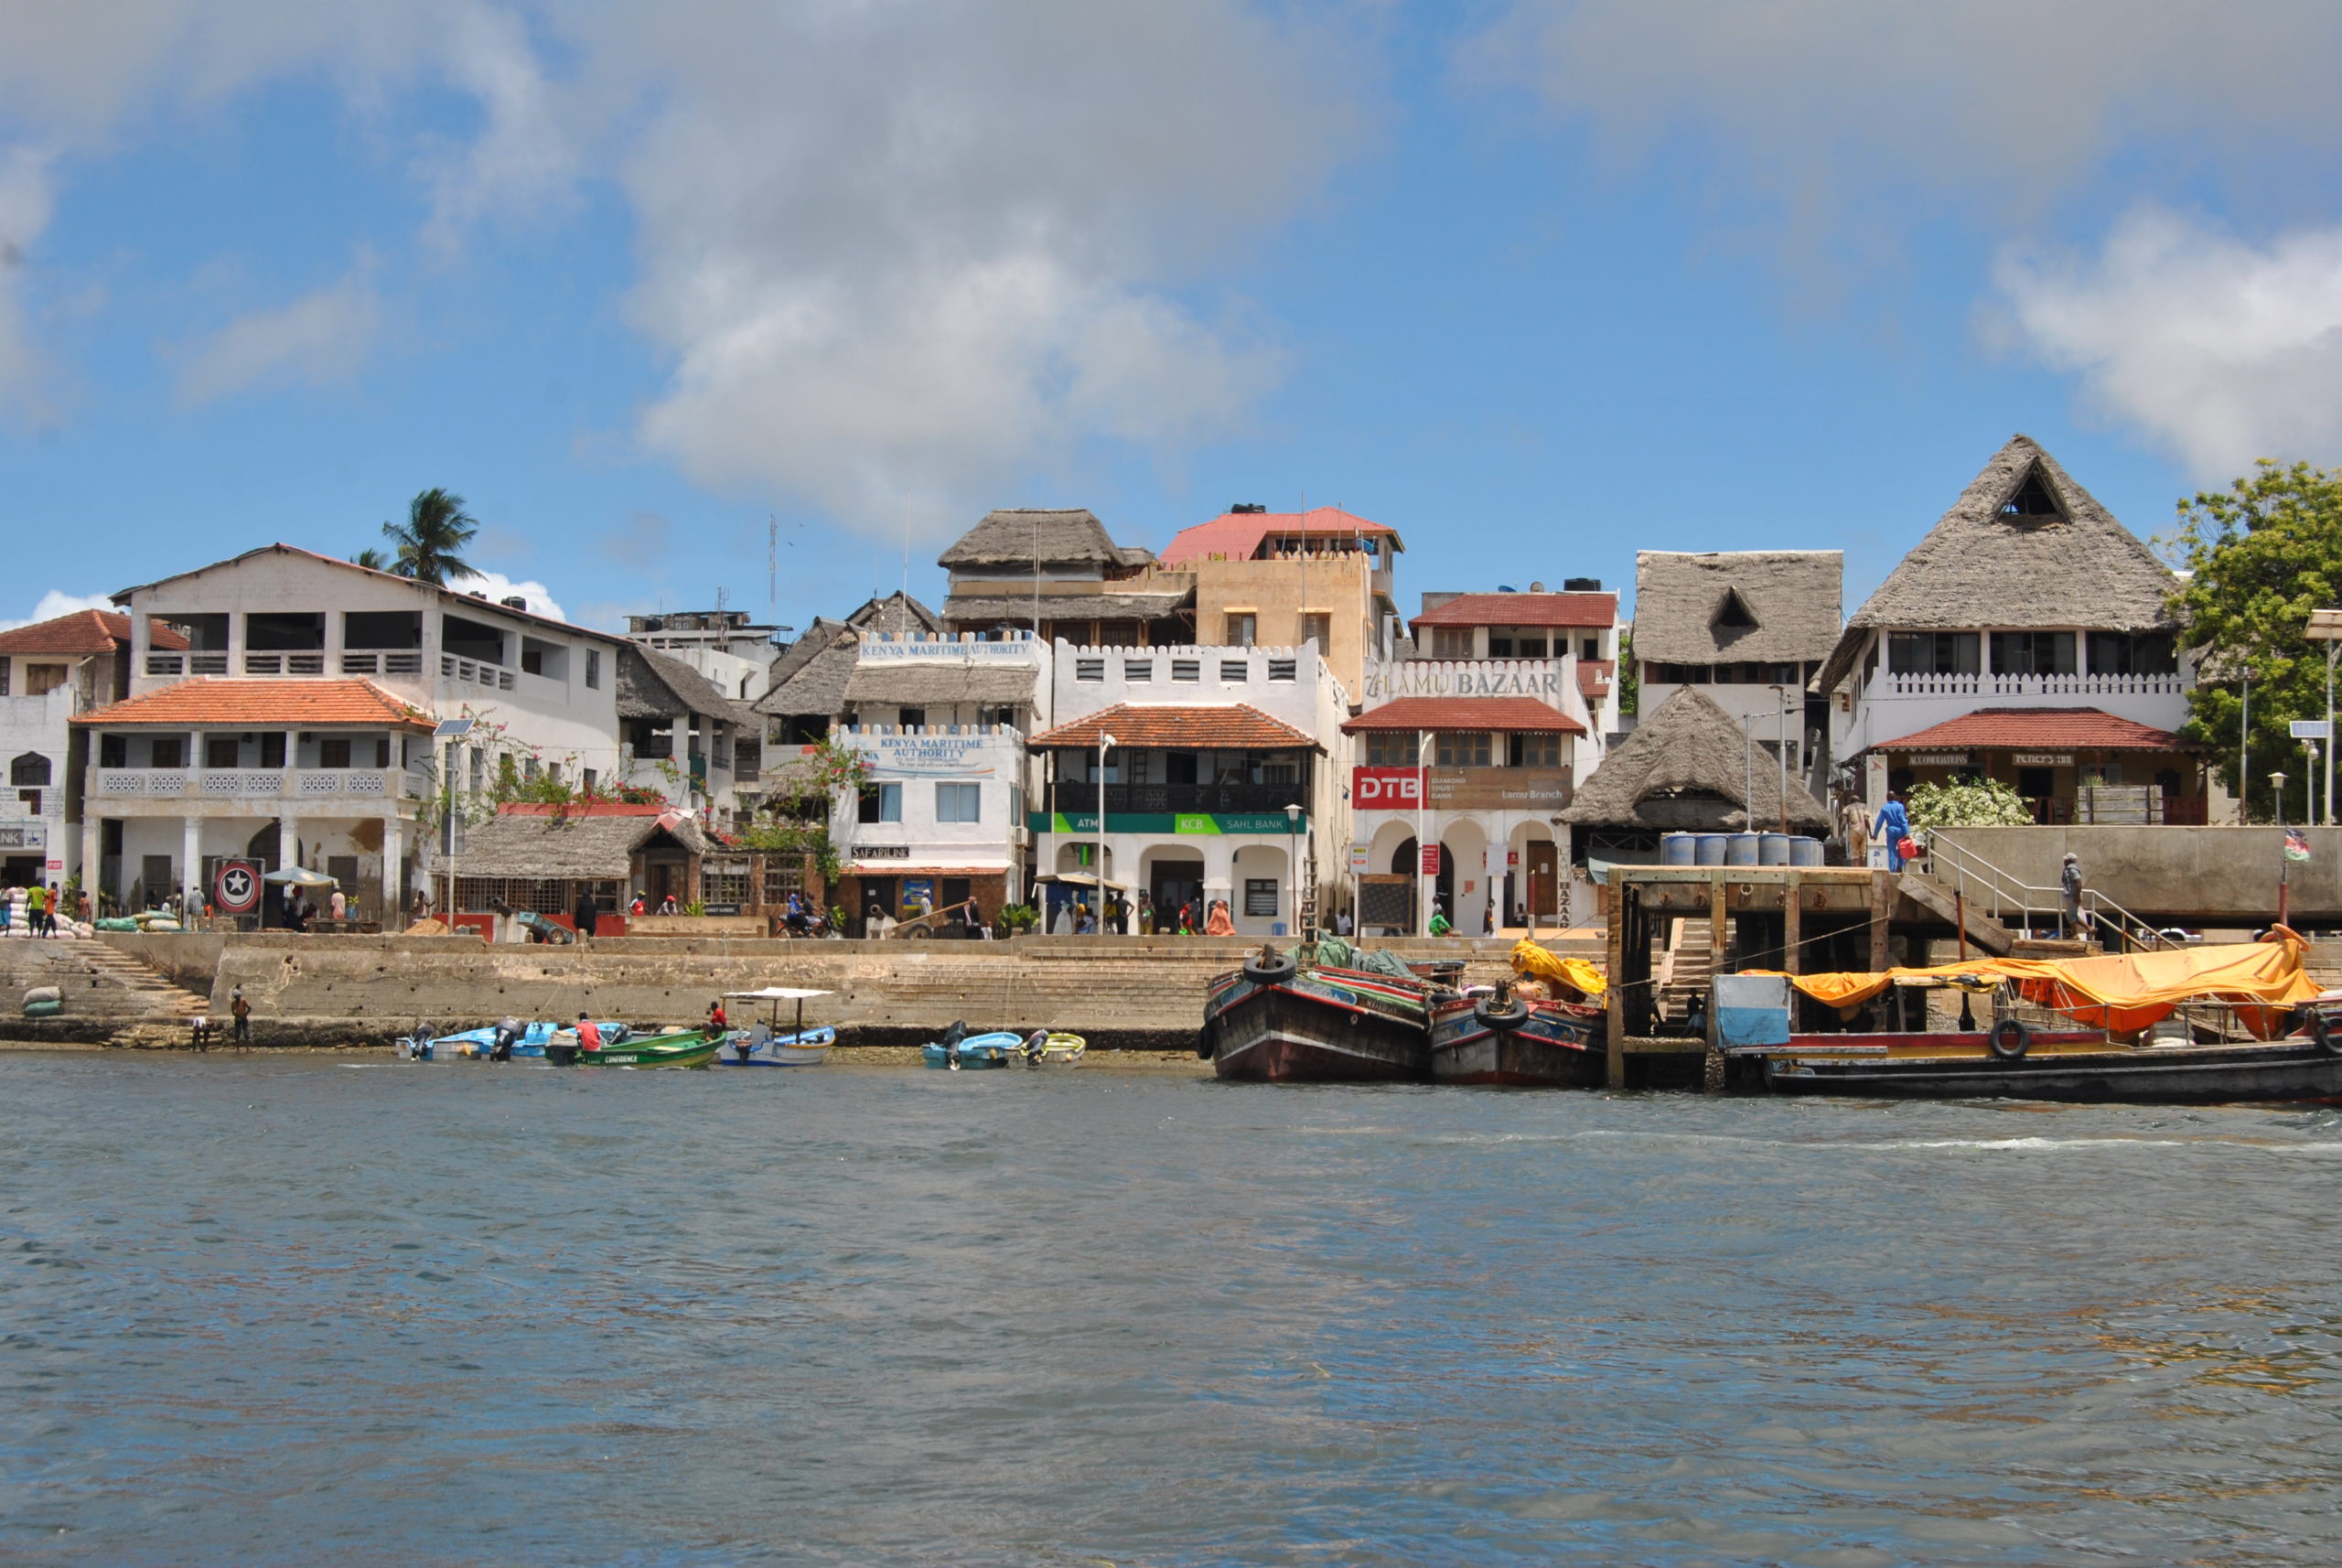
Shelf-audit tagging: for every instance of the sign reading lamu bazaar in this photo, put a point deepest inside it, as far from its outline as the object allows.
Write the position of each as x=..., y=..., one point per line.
x=1543, y=679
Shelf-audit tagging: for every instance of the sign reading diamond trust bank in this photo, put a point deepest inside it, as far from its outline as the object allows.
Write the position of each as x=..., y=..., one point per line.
x=1543, y=679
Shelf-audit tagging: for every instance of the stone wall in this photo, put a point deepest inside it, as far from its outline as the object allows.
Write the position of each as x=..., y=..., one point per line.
x=2211, y=876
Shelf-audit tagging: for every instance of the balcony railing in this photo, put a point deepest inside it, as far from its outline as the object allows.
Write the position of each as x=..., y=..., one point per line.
x=246, y=783
x=285, y=664
x=453, y=669
x=408, y=663
x=1893, y=683
x=1159, y=798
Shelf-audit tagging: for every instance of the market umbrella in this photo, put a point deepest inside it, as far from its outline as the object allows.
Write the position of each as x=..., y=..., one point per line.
x=299, y=876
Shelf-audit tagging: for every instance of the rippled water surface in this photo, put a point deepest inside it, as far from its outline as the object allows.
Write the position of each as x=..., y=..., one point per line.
x=315, y=1310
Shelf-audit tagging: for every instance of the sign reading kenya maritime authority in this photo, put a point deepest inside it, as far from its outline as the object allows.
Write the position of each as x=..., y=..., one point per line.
x=880, y=651
x=1543, y=679
x=921, y=756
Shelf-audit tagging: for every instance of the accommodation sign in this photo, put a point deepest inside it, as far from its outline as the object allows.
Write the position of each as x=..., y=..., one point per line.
x=1543, y=679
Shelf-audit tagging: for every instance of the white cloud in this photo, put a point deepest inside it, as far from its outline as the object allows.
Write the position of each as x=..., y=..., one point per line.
x=25, y=208
x=57, y=602
x=1848, y=121
x=497, y=587
x=2220, y=350
x=320, y=338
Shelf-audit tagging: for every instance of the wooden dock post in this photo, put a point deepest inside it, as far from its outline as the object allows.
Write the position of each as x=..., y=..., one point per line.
x=1716, y=941
x=1792, y=923
x=1881, y=905
x=1615, y=1015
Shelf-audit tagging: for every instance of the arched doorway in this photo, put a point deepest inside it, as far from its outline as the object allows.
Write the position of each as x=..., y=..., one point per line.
x=1404, y=862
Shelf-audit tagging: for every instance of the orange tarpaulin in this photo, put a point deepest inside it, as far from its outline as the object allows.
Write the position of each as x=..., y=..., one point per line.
x=2121, y=993
x=1528, y=957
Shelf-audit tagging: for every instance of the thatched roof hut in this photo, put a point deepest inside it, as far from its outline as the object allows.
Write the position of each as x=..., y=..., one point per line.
x=1732, y=606
x=809, y=679
x=655, y=685
x=2024, y=548
x=1686, y=768
x=592, y=845
x=1020, y=536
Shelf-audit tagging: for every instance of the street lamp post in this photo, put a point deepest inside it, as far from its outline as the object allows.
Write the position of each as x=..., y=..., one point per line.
x=2325, y=627
x=1293, y=867
x=2285, y=866
x=1781, y=741
x=1104, y=740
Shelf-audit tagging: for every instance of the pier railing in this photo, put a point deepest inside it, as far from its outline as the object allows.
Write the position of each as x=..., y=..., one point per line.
x=1969, y=873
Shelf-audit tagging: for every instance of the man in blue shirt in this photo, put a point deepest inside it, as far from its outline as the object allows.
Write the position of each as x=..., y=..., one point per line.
x=1894, y=826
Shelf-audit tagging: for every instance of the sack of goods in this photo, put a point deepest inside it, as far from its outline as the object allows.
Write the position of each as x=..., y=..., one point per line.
x=44, y=1002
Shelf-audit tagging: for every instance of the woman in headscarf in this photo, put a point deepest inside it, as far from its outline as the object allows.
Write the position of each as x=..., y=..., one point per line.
x=1217, y=924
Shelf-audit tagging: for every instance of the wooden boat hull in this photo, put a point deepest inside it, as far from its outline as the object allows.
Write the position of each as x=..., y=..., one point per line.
x=687, y=1050
x=1320, y=1025
x=2277, y=1070
x=1554, y=1049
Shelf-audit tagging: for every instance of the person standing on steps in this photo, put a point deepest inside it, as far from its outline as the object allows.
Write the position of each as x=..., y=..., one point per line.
x=2070, y=886
x=1894, y=826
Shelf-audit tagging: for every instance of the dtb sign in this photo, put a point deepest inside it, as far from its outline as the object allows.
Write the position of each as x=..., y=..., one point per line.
x=1386, y=789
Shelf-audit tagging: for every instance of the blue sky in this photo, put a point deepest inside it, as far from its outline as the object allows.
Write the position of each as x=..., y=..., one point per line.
x=1537, y=284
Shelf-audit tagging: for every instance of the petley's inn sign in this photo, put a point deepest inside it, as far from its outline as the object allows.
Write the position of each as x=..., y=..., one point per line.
x=1543, y=679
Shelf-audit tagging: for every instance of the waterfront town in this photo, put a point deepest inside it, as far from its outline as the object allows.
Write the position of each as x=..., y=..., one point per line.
x=1256, y=727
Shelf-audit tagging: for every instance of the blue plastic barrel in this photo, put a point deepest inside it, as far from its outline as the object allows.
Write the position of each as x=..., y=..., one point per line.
x=1805, y=852
x=1740, y=849
x=1679, y=849
x=1772, y=849
x=1709, y=851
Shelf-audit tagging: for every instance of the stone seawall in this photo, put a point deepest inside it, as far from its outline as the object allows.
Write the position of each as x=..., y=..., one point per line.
x=1129, y=992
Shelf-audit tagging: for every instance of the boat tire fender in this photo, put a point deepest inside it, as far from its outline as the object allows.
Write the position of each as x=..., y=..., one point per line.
x=2010, y=1039
x=1503, y=1018
x=1262, y=972
x=1205, y=1046
x=2322, y=1032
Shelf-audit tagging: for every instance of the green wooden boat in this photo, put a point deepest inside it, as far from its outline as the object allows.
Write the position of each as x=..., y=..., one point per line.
x=692, y=1047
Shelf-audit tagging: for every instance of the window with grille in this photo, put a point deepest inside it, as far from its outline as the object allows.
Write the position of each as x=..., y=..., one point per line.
x=1463, y=748
x=1234, y=671
x=1284, y=669
x=784, y=874
x=724, y=882
x=959, y=802
x=1390, y=748
x=1318, y=629
x=168, y=751
x=1536, y=749
x=1261, y=898
x=1186, y=669
x=220, y=751
x=1450, y=642
x=41, y=678
x=1138, y=669
x=1241, y=629
x=334, y=751
x=1090, y=670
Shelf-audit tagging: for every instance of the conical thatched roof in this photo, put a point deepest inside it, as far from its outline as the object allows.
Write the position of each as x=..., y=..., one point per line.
x=2024, y=548
x=1768, y=606
x=809, y=678
x=1017, y=536
x=1685, y=766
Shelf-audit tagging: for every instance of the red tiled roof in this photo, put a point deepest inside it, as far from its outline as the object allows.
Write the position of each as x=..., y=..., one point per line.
x=1235, y=535
x=1233, y=728
x=1523, y=609
x=223, y=704
x=1594, y=676
x=1464, y=714
x=2038, y=729
x=82, y=632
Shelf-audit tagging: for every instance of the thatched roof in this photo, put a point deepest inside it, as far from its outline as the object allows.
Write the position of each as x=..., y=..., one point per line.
x=1018, y=536
x=2024, y=548
x=1766, y=607
x=941, y=681
x=590, y=847
x=983, y=611
x=655, y=685
x=1686, y=765
x=809, y=679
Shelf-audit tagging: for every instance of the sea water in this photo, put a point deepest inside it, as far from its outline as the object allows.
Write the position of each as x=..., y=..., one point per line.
x=319, y=1310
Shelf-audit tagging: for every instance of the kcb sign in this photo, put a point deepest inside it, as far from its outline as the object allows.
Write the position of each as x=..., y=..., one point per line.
x=1386, y=789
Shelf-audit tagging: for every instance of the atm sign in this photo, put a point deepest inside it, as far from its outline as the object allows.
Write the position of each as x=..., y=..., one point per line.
x=1386, y=789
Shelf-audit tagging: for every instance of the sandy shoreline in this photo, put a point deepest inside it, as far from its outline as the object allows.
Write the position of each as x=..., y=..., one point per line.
x=1174, y=1064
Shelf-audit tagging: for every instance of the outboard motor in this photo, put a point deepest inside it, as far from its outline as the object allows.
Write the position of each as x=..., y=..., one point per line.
x=506, y=1033
x=952, y=1038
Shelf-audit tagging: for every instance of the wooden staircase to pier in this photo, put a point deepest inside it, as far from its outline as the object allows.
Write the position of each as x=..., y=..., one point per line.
x=1940, y=901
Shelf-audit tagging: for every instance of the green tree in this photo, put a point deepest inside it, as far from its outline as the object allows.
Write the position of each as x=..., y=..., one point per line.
x=1967, y=803
x=436, y=529
x=2258, y=557
x=1630, y=686
x=373, y=560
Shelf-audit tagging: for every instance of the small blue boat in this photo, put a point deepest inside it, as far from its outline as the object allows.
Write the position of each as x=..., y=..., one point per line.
x=961, y=1050
x=479, y=1045
x=761, y=1047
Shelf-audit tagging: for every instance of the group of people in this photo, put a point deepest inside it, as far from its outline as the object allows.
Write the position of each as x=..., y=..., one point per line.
x=40, y=903
x=1145, y=917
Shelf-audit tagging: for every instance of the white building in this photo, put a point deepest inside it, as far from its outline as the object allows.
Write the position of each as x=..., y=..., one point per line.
x=1205, y=750
x=684, y=737
x=2028, y=638
x=48, y=673
x=279, y=709
x=733, y=654
x=942, y=721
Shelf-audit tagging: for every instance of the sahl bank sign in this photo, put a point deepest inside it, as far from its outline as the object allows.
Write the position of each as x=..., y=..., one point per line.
x=1543, y=679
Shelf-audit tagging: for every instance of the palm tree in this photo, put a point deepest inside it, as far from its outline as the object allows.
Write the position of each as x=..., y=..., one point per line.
x=436, y=527
x=373, y=560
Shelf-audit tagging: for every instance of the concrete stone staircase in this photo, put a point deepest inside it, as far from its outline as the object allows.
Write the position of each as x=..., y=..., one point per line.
x=94, y=979
x=1693, y=963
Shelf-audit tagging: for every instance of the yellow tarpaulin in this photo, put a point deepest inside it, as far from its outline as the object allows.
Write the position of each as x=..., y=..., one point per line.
x=1528, y=957
x=2121, y=993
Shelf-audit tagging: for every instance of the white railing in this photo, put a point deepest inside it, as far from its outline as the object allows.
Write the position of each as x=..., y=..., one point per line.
x=381, y=663
x=244, y=783
x=453, y=669
x=1892, y=683
x=1968, y=874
